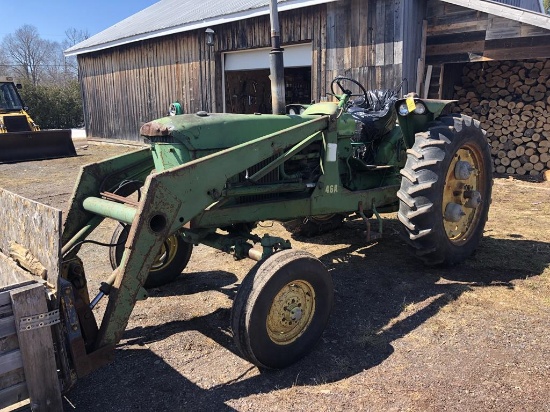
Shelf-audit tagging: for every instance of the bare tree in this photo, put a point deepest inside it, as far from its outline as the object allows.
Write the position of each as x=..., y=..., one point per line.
x=5, y=65
x=28, y=52
x=73, y=36
x=54, y=72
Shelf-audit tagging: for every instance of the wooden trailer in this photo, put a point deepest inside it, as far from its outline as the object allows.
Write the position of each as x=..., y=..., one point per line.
x=33, y=365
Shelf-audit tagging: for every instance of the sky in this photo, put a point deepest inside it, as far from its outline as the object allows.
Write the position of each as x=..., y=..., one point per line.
x=53, y=17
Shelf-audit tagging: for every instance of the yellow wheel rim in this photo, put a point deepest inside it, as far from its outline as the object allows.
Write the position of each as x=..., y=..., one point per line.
x=166, y=255
x=291, y=312
x=457, y=190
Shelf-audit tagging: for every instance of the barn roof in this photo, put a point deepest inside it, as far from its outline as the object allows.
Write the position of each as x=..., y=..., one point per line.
x=174, y=16
x=535, y=5
x=507, y=11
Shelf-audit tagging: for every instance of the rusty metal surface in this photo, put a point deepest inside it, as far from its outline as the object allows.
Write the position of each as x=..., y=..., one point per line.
x=33, y=225
x=154, y=129
x=120, y=199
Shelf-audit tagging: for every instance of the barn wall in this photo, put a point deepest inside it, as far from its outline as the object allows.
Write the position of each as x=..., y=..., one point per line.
x=364, y=41
x=124, y=87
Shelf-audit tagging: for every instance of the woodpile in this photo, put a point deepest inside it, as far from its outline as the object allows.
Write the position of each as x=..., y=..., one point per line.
x=511, y=99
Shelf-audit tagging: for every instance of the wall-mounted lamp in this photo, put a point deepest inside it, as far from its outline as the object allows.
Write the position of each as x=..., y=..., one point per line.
x=209, y=36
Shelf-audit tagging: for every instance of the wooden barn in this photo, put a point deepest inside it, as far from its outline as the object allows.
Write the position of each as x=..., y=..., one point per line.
x=131, y=72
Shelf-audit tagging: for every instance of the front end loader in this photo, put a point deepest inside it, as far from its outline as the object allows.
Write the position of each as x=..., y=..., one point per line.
x=20, y=137
x=209, y=178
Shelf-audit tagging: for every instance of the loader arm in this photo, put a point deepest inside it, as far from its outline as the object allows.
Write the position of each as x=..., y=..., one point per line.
x=100, y=177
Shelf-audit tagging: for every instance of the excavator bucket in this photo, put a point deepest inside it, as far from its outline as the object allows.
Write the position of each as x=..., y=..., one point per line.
x=36, y=145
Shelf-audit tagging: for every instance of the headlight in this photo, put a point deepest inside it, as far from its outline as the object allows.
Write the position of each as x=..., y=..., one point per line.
x=403, y=110
x=419, y=108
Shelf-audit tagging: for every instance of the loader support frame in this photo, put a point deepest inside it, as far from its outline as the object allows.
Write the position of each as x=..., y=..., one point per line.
x=165, y=208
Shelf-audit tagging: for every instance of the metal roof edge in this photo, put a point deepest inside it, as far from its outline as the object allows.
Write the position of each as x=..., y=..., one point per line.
x=506, y=11
x=291, y=5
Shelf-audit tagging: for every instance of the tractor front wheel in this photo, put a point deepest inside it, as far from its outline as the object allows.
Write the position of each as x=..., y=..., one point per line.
x=281, y=309
x=446, y=190
x=169, y=263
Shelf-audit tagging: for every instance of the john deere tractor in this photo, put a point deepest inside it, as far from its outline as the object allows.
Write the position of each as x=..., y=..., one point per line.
x=209, y=178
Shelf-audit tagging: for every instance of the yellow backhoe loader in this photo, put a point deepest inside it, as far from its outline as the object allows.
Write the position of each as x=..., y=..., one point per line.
x=21, y=138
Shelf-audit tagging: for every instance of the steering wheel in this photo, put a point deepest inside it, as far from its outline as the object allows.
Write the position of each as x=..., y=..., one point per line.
x=338, y=81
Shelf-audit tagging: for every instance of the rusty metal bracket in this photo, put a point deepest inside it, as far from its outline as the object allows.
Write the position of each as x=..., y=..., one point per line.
x=39, y=321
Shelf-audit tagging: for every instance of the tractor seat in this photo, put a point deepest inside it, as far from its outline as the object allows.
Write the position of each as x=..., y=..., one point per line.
x=377, y=114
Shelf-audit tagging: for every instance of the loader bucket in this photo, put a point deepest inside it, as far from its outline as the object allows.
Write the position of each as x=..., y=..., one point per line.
x=44, y=144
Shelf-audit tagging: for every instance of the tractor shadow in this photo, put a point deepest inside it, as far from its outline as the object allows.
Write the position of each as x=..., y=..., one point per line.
x=373, y=285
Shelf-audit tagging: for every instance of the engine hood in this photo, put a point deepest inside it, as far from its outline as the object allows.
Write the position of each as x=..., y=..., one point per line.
x=217, y=130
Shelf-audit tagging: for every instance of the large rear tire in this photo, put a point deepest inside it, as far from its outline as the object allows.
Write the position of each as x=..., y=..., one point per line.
x=281, y=309
x=169, y=263
x=446, y=190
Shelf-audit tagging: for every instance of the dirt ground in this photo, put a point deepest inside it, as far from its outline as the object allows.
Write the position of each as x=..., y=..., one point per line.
x=402, y=336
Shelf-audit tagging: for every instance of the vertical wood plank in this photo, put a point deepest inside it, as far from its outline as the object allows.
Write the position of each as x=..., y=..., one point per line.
x=37, y=350
x=422, y=59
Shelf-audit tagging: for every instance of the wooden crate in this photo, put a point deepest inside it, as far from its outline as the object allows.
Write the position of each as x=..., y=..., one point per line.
x=28, y=365
x=28, y=370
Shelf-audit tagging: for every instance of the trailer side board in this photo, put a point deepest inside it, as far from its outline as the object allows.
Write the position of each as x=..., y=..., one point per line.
x=38, y=229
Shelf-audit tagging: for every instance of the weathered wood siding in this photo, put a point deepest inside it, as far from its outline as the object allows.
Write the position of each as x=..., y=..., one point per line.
x=124, y=87
x=414, y=13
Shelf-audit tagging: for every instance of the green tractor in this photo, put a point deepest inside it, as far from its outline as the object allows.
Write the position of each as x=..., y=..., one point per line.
x=209, y=178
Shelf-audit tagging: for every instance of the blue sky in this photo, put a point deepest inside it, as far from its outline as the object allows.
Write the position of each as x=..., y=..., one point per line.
x=53, y=17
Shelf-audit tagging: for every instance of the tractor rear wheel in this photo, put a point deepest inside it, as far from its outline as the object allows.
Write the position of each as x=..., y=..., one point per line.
x=169, y=263
x=446, y=190
x=281, y=309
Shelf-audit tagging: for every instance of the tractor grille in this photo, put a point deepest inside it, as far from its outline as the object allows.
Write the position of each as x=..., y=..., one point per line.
x=16, y=124
x=160, y=139
x=271, y=177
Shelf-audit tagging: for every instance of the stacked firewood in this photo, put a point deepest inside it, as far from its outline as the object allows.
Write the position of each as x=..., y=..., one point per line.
x=511, y=99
